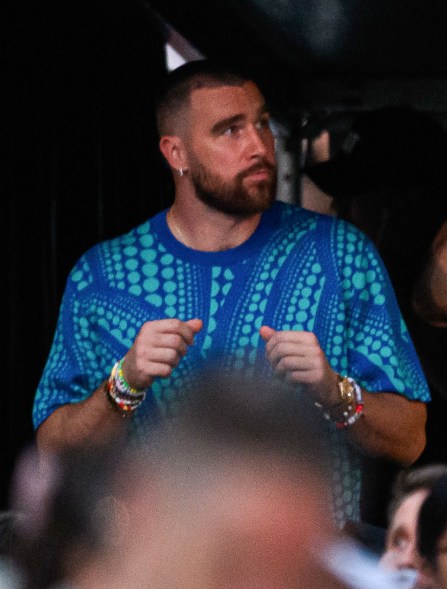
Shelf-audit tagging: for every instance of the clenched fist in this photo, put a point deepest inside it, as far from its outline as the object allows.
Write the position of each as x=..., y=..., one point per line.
x=297, y=356
x=157, y=349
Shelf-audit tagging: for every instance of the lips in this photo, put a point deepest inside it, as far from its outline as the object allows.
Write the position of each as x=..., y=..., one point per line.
x=259, y=173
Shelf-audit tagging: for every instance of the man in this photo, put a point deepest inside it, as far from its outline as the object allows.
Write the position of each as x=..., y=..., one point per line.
x=256, y=285
x=409, y=492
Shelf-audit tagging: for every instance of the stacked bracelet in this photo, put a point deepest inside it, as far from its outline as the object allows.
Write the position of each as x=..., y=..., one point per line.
x=350, y=408
x=122, y=396
x=351, y=395
x=352, y=419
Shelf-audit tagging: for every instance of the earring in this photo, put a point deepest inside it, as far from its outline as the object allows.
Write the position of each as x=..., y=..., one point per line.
x=181, y=171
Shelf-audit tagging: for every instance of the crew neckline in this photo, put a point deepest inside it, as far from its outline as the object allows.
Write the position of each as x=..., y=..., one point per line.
x=269, y=220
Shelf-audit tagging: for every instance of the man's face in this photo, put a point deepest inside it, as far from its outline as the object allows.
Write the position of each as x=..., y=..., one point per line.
x=230, y=146
x=401, y=545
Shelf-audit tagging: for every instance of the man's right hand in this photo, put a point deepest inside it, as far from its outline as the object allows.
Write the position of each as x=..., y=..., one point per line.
x=157, y=349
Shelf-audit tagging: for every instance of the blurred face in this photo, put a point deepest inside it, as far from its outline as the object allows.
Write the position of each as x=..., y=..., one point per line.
x=230, y=146
x=401, y=543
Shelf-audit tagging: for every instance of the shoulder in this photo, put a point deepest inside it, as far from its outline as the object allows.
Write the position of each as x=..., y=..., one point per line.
x=324, y=227
x=127, y=244
x=113, y=256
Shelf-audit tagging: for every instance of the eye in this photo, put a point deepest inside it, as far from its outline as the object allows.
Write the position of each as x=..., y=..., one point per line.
x=232, y=130
x=399, y=542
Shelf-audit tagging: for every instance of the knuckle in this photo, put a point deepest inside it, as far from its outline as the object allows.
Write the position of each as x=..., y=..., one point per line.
x=176, y=324
x=165, y=370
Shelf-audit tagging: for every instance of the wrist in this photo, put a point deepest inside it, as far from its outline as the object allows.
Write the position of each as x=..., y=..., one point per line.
x=332, y=397
x=348, y=407
x=123, y=398
x=132, y=378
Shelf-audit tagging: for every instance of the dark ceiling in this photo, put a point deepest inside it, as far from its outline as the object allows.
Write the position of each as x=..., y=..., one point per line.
x=308, y=55
x=325, y=54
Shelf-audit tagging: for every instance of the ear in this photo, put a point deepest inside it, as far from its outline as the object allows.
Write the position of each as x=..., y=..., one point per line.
x=171, y=146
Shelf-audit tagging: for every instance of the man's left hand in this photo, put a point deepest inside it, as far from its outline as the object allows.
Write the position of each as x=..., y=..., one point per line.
x=297, y=356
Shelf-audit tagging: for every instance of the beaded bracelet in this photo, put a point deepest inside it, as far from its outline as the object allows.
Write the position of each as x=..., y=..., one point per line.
x=113, y=404
x=123, y=397
x=350, y=420
x=120, y=378
x=350, y=392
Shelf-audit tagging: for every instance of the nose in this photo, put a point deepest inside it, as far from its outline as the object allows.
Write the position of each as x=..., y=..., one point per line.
x=409, y=558
x=259, y=142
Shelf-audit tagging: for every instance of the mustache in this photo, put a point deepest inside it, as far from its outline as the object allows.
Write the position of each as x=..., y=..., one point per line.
x=260, y=165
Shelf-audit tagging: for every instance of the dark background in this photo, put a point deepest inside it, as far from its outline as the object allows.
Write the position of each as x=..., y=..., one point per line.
x=79, y=159
x=79, y=164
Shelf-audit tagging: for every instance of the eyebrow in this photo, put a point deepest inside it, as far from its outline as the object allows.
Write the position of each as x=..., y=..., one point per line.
x=225, y=123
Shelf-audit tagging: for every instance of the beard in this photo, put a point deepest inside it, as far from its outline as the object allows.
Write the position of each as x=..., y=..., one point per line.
x=234, y=198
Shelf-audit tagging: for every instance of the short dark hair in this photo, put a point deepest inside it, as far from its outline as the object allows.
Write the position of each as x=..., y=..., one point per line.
x=174, y=94
x=432, y=520
x=412, y=480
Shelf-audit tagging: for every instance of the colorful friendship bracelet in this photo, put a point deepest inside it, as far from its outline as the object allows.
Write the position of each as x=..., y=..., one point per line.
x=114, y=405
x=121, y=395
x=123, y=381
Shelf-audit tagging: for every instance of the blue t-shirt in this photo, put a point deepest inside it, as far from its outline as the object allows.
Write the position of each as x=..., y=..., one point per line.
x=298, y=271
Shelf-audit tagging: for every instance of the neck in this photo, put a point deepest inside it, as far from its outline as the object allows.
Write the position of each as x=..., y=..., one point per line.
x=205, y=229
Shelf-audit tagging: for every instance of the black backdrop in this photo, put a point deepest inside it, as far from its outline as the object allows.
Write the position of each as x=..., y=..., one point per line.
x=79, y=163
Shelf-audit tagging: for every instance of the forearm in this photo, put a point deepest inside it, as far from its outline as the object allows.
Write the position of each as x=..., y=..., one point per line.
x=391, y=427
x=88, y=422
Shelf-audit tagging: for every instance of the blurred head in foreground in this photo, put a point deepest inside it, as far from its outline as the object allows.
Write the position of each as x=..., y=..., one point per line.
x=231, y=494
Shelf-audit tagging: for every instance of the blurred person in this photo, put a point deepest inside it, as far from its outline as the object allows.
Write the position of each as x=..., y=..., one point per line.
x=390, y=180
x=432, y=535
x=228, y=276
x=231, y=493
x=409, y=492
